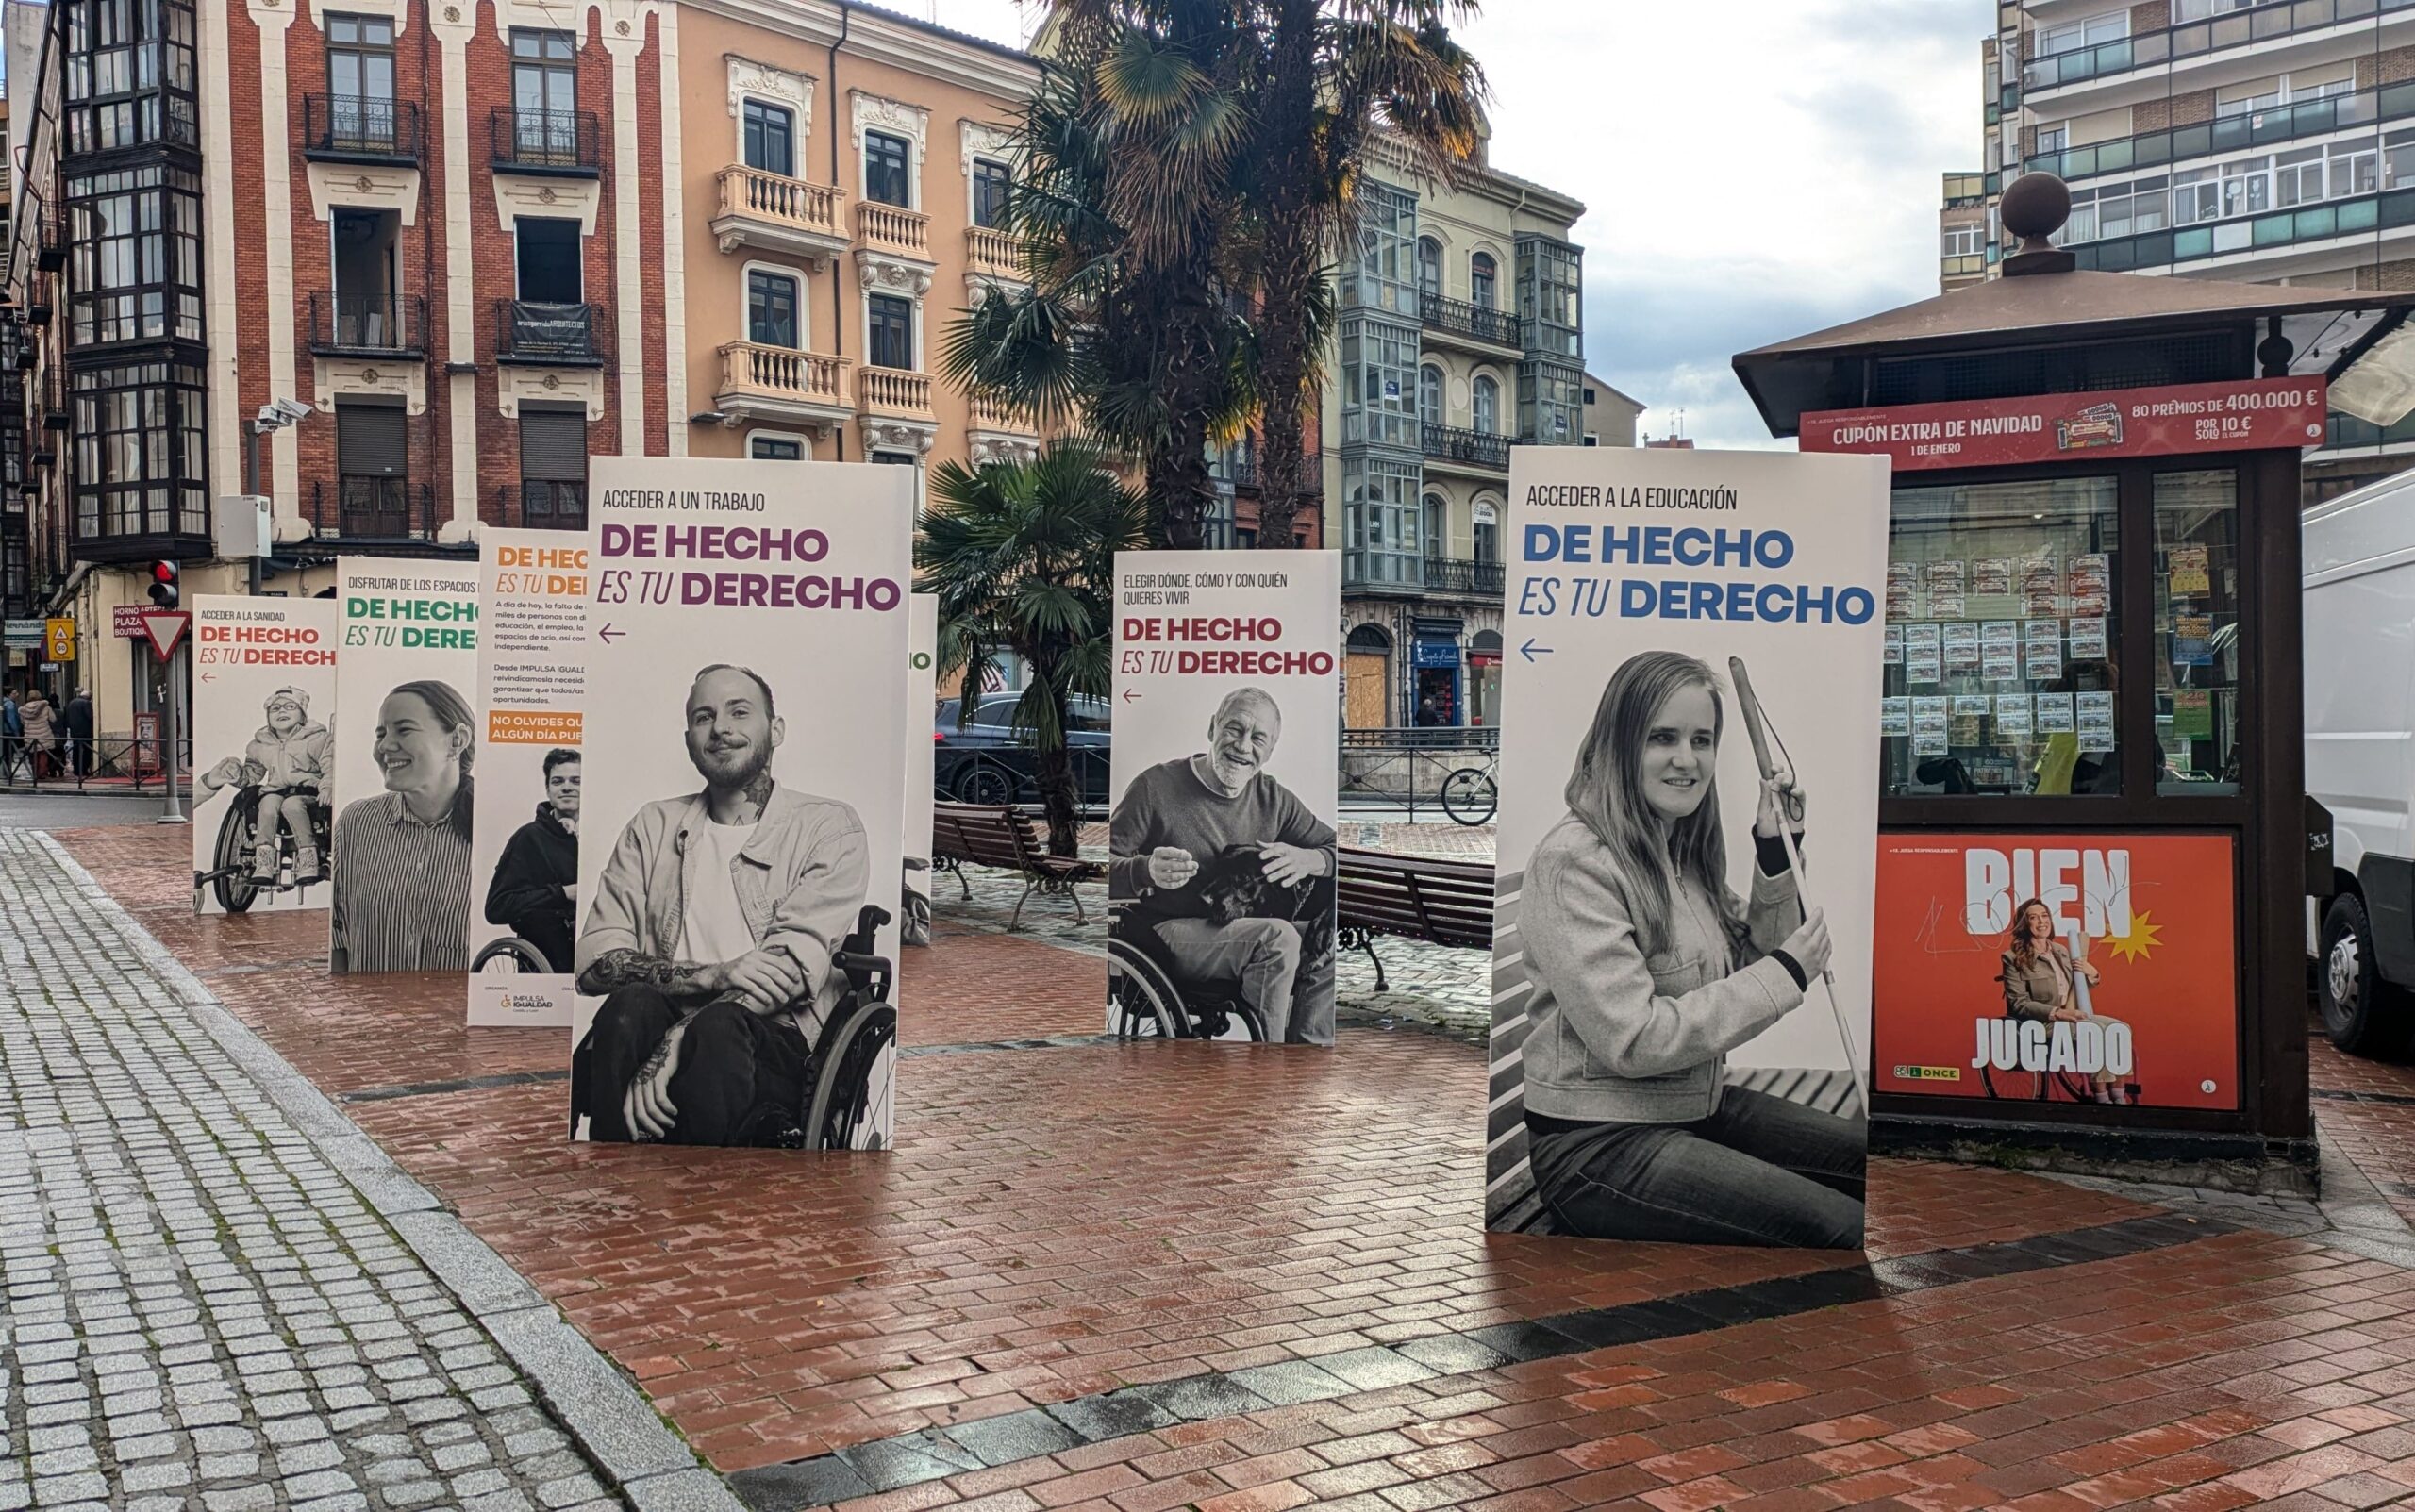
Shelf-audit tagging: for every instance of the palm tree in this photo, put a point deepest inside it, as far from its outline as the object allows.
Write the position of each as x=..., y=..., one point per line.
x=1022, y=556
x=1336, y=74
x=1128, y=329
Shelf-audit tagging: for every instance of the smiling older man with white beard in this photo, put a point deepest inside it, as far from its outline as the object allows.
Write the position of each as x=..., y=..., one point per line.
x=1178, y=815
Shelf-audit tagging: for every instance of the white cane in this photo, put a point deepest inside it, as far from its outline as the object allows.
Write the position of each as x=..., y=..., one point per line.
x=1757, y=727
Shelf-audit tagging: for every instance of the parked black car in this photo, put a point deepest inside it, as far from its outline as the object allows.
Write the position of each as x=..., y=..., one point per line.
x=988, y=761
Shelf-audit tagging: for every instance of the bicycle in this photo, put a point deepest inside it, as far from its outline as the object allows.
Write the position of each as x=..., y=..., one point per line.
x=1471, y=795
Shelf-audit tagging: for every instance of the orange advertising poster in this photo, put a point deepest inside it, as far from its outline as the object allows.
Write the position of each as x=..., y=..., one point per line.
x=2150, y=1015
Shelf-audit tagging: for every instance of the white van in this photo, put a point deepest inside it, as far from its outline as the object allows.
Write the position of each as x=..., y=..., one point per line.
x=2359, y=565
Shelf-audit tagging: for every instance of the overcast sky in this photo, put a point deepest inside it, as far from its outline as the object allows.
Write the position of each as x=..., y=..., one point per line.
x=1753, y=169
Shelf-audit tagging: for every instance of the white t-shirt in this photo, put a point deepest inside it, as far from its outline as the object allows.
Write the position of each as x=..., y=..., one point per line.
x=714, y=929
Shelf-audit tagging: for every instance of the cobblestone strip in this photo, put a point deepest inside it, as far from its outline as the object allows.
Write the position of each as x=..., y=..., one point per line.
x=220, y=1295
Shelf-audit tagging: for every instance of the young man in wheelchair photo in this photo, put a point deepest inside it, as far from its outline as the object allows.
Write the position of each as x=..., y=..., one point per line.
x=1223, y=877
x=712, y=938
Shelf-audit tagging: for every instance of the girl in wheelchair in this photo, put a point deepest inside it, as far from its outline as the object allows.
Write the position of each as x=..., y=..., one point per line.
x=288, y=758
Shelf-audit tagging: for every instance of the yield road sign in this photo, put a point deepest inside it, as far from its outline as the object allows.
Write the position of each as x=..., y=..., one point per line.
x=166, y=629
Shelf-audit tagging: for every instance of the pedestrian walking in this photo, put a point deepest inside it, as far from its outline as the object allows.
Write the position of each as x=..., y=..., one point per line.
x=39, y=717
x=79, y=733
x=13, y=734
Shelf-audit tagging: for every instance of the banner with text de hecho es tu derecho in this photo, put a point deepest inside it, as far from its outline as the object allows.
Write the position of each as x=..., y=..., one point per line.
x=2257, y=414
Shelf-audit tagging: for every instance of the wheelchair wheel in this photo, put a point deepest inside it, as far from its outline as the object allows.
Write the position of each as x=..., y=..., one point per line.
x=1146, y=1005
x=858, y=1077
x=232, y=860
x=1469, y=796
x=510, y=957
x=2014, y=1086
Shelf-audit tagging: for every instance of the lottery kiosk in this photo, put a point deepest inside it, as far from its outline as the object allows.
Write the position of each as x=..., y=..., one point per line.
x=2093, y=864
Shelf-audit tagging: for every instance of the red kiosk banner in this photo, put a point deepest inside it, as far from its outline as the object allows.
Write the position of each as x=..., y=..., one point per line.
x=2152, y=915
x=2256, y=414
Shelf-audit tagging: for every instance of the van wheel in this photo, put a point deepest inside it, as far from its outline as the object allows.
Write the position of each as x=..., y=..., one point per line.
x=2359, y=1009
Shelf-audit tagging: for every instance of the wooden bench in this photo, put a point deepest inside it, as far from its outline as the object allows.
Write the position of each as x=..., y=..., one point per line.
x=1003, y=836
x=1415, y=897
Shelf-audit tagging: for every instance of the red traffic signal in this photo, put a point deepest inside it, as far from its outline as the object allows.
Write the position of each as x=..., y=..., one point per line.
x=165, y=589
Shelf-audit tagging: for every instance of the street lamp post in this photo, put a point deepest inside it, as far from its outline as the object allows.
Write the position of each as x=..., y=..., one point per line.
x=273, y=417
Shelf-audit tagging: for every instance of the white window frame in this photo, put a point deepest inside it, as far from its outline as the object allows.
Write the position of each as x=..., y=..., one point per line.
x=972, y=181
x=801, y=439
x=746, y=271
x=864, y=334
x=2082, y=32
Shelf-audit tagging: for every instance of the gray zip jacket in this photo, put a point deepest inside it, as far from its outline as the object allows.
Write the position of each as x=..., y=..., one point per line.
x=1615, y=1037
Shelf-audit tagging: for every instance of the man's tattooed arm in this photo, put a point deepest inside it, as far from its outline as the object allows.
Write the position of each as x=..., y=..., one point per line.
x=680, y=981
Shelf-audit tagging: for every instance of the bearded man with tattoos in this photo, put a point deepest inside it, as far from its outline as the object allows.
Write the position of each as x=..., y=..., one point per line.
x=710, y=935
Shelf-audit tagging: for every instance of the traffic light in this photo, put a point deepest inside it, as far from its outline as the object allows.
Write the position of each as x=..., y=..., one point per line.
x=164, y=591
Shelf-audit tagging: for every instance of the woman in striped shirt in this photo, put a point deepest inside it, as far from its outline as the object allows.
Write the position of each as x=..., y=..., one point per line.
x=402, y=870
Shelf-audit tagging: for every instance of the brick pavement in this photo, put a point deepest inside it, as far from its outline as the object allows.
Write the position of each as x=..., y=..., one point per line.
x=200, y=1310
x=1059, y=1226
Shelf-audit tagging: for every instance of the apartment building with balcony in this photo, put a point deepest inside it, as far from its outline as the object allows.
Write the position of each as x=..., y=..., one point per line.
x=1460, y=333
x=842, y=172
x=423, y=221
x=1962, y=221
x=2268, y=140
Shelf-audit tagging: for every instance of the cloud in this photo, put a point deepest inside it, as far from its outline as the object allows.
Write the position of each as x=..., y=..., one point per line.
x=1752, y=169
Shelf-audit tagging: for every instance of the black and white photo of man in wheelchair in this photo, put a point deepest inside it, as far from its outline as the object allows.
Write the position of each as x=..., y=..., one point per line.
x=274, y=834
x=731, y=942
x=1221, y=884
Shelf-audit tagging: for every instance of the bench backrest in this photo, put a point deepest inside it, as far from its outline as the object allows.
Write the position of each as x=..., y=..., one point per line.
x=997, y=835
x=1449, y=902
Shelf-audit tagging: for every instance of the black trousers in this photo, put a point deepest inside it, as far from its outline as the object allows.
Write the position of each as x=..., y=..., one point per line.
x=741, y=1078
x=550, y=934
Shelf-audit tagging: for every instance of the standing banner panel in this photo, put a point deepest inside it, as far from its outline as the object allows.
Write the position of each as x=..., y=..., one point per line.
x=922, y=759
x=1221, y=838
x=1689, y=734
x=740, y=875
x=2141, y=1006
x=264, y=696
x=407, y=739
x=524, y=856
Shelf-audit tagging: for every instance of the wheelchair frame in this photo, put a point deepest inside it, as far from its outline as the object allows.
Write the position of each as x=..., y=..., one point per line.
x=231, y=877
x=843, y=1109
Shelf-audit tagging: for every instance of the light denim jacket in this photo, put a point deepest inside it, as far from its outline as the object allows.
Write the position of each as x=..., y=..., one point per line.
x=1616, y=1037
x=801, y=879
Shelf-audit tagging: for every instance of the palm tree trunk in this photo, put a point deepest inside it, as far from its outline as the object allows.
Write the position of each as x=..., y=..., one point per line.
x=1292, y=248
x=1289, y=274
x=1179, y=484
x=1058, y=799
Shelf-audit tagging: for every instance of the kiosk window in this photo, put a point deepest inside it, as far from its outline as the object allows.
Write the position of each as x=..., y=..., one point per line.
x=2197, y=628
x=2001, y=639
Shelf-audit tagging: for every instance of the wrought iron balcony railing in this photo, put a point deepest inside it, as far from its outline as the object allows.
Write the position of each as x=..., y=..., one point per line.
x=1451, y=444
x=355, y=324
x=360, y=125
x=560, y=141
x=373, y=508
x=1460, y=318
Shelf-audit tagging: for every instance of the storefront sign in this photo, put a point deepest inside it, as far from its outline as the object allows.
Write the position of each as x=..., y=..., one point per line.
x=523, y=850
x=2150, y=916
x=1221, y=843
x=1693, y=630
x=1434, y=654
x=263, y=707
x=125, y=621
x=27, y=635
x=2248, y=415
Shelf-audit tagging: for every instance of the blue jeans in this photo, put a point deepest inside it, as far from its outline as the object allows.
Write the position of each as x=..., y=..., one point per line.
x=1759, y=1170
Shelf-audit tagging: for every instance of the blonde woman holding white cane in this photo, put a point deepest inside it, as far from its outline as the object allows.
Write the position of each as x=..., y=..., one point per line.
x=1647, y=969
